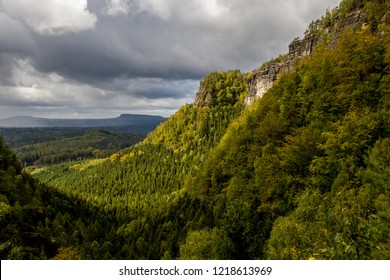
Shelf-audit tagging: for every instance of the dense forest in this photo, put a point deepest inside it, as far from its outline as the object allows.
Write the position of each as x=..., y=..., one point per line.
x=47, y=146
x=27, y=212
x=301, y=173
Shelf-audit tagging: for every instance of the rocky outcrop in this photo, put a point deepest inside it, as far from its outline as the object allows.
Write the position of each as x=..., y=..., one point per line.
x=263, y=78
x=206, y=95
x=220, y=88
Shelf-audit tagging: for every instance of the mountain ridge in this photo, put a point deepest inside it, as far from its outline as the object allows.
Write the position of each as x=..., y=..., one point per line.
x=326, y=30
x=140, y=123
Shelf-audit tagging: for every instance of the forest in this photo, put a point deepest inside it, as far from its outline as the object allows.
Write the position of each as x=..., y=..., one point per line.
x=53, y=145
x=301, y=173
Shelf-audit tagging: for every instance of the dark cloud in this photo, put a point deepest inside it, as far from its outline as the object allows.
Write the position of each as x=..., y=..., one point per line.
x=127, y=55
x=15, y=37
x=6, y=71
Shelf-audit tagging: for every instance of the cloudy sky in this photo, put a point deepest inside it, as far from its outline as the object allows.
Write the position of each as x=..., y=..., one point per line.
x=101, y=58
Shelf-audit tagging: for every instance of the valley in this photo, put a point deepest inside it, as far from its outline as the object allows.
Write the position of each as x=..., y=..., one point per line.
x=290, y=163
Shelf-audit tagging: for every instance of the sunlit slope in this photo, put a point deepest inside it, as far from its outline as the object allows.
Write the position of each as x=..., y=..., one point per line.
x=148, y=179
x=305, y=172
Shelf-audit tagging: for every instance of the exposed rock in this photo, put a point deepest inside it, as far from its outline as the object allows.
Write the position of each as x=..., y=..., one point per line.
x=261, y=81
x=203, y=98
x=263, y=78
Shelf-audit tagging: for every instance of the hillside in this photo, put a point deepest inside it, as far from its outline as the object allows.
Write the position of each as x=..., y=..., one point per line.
x=313, y=155
x=142, y=187
x=27, y=212
x=296, y=169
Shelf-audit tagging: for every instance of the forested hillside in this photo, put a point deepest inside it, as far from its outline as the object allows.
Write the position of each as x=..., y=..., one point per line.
x=47, y=146
x=142, y=188
x=305, y=172
x=28, y=212
x=301, y=173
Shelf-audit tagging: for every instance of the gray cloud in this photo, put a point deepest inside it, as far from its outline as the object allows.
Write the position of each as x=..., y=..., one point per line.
x=118, y=56
x=15, y=38
x=52, y=17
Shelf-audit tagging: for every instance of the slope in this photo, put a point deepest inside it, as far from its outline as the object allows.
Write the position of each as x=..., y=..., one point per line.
x=304, y=173
x=142, y=187
x=26, y=230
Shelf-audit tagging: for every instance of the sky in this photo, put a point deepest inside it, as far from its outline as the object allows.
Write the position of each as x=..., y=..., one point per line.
x=103, y=58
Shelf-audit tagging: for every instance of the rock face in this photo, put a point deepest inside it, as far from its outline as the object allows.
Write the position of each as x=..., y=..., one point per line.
x=263, y=78
x=203, y=98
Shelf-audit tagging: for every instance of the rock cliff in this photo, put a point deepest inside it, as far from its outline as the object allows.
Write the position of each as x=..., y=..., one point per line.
x=263, y=78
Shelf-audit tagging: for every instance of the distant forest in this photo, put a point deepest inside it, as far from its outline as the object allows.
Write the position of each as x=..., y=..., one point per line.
x=47, y=146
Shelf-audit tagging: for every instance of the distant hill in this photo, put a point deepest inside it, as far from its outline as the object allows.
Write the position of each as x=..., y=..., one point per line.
x=137, y=123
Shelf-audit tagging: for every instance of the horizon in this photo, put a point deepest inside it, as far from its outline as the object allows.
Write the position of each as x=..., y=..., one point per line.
x=92, y=118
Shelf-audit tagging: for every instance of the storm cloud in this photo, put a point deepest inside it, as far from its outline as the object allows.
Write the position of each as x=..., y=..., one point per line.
x=102, y=58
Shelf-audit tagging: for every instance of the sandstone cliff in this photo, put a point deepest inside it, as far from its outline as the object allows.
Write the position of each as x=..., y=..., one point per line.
x=327, y=29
